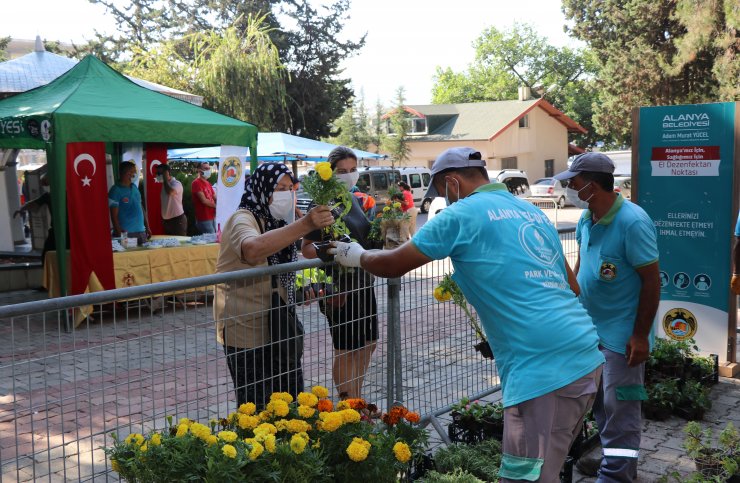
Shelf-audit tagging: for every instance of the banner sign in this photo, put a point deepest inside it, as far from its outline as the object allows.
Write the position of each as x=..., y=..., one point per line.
x=156, y=154
x=88, y=218
x=230, y=185
x=685, y=183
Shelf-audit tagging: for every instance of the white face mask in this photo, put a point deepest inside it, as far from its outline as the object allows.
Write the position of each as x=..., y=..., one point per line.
x=160, y=178
x=447, y=196
x=349, y=179
x=283, y=206
x=575, y=200
x=207, y=173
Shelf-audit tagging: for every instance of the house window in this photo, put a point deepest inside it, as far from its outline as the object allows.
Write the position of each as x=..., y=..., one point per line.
x=508, y=163
x=549, y=168
x=524, y=121
x=417, y=125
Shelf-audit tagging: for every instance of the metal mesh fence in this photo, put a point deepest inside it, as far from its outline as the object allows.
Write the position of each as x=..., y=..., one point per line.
x=144, y=353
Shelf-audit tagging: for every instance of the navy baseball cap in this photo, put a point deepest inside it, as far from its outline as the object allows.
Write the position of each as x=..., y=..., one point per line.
x=591, y=162
x=454, y=158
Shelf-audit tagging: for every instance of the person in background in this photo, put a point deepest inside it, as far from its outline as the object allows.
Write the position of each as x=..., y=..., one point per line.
x=174, y=220
x=256, y=235
x=366, y=201
x=353, y=312
x=126, y=209
x=507, y=254
x=204, y=200
x=407, y=205
x=735, y=280
x=619, y=277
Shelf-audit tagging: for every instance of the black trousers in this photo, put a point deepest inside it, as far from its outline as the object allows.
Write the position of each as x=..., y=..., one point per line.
x=260, y=371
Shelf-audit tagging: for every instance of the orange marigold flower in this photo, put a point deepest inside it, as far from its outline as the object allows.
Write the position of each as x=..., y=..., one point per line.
x=357, y=404
x=412, y=417
x=325, y=405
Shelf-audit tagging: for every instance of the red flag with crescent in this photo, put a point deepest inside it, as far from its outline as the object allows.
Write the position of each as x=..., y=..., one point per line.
x=156, y=154
x=88, y=218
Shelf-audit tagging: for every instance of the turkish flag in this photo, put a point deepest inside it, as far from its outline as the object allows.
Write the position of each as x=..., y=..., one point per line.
x=156, y=154
x=88, y=218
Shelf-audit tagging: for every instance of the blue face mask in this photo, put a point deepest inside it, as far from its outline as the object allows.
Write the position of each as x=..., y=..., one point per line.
x=135, y=179
x=447, y=196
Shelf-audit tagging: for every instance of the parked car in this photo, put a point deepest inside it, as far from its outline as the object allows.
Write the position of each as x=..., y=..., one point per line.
x=550, y=188
x=623, y=184
x=419, y=180
x=514, y=179
x=374, y=181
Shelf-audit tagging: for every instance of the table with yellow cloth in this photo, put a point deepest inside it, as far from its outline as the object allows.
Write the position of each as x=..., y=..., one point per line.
x=141, y=266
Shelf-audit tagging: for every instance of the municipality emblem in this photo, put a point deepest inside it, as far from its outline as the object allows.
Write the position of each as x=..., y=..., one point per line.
x=231, y=171
x=608, y=271
x=679, y=324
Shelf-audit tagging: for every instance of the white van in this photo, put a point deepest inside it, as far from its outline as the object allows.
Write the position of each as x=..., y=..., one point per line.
x=514, y=179
x=419, y=179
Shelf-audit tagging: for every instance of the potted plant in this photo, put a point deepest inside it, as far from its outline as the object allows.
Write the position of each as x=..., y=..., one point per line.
x=493, y=420
x=668, y=356
x=449, y=290
x=391, y=226
x=701, y=368
x=661, y=400
x=481, y=459
x=719, y=463
x=693, y=401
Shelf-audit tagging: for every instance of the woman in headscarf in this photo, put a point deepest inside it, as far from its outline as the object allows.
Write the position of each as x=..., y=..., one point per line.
x=260, y=233
x=353, y=312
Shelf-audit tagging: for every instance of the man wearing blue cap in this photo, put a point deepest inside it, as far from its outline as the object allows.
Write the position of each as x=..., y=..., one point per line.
x=618, y=274
x=509, y=263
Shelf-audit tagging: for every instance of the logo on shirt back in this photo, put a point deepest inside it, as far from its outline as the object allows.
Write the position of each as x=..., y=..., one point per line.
x=679, y=324
x=608, y=271
x=231, y=171
x=537, y=243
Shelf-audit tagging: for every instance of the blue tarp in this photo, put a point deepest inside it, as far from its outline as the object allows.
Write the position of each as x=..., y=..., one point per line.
x=272, y=146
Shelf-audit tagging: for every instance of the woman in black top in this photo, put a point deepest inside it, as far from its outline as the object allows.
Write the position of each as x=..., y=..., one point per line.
x=352, y=314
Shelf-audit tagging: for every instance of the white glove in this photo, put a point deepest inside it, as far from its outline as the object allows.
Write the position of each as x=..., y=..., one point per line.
x=347, y=254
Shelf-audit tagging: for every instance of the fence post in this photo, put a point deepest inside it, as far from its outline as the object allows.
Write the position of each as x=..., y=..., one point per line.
x=395, y=375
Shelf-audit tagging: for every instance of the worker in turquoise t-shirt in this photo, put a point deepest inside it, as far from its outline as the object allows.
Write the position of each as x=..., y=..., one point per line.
x=619, y=278
x=509, y=263
x=124, y=201
x=735, y=281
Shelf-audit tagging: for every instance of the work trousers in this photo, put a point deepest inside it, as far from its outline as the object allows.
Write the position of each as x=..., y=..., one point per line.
x=617, y=411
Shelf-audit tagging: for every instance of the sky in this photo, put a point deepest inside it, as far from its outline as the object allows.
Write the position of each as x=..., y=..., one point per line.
x=406, y=39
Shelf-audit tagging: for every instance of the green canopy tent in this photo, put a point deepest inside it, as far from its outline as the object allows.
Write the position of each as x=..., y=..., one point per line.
x=94, y=103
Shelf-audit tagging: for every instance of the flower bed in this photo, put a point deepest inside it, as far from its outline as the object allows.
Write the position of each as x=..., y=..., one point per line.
x=303, y=440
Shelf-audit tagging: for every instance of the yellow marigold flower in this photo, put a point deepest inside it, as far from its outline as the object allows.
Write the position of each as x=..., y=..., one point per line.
x=317, y=444
x=350, y=415
x=228, y=436
x=341, y=405
x=136, y=438
x=233, y=417
x=229, y=451
x=257, y=449
x=264, y=415
x=308, y=399
x=397, y=205
x=211, y=440
x=278, y=407
x=386, y=209
x=185, y=421
x=114, y=465
x=182, y=430
x=144, y=447
x=200, y=431
x=266, y=427
x=441, y=294
x=304, y=435
x=156, y=439
x=248, y=422
x=358, y=449
x=298, y=444
x=324, y=170
x=247, y=408
x=297, y=426
x=306, y=411
x=320, y=392
x=332, y=421
x=402, y=452
x=270, y=443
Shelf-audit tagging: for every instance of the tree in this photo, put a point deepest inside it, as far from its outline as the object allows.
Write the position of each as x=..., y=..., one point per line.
x=4, y=41
x=396, y=143
x=353, y=128
x=507, y=59
x=658, y=52
x=377, y=137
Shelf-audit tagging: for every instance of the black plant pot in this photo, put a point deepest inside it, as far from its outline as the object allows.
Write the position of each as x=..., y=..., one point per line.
x=493, y=428
x=656, y=413
x=485, y=349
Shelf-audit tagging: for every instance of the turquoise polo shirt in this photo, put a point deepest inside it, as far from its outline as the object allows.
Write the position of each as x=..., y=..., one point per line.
x=737, y=226
x=130, y=212
x=611, y=251
x=509, y=262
